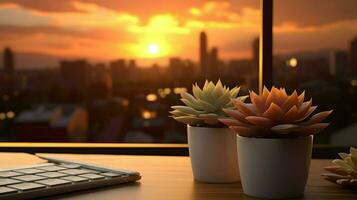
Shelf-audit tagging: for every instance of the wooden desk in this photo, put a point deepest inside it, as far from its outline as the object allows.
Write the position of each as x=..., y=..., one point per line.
x=171, y=178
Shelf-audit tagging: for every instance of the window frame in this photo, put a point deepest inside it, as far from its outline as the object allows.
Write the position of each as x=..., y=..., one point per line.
x=265, y=79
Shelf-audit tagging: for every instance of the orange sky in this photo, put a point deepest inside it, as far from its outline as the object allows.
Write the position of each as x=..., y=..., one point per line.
x=110, y=29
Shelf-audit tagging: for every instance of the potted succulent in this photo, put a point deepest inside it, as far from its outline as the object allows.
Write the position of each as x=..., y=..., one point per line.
x=212, y=145
x=344, y=170
x=274, y=142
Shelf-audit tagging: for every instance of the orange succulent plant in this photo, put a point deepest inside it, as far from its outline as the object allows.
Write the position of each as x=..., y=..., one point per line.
x=275, y=114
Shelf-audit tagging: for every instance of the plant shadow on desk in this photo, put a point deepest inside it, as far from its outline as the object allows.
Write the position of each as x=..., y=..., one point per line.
x=230, y=191
x=217, y=191
x=94, y=190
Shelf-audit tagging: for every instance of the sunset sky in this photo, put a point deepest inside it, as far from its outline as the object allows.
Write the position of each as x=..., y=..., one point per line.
x=152, y=31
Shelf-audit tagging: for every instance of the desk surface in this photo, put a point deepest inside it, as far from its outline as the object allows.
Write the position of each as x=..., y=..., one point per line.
x=171, y=178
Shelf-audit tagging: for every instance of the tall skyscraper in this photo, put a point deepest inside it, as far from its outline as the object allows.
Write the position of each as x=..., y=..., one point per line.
x=9, y=60
x=353, y=56
x=203, y=54
x=213, y=71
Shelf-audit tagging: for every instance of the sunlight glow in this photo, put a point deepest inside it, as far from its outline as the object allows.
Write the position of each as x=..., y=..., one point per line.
x=293, y=62
x=151, y=97
x=353, y=83
x=145, y=114
x=153, y=49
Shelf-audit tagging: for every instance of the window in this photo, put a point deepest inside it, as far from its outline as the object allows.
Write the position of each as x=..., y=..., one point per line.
x=108, y=71
x=315, y=45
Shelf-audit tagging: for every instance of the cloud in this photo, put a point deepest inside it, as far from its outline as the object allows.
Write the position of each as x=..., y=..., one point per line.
x=314, y=13
x=293, y=37
x=93, y=17
x=11, y=14
x=103, y=32
x=109, y=29
x=223, y=15
x=44, y=5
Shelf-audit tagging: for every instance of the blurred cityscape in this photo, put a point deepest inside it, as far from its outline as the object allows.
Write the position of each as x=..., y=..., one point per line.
x=119, y=101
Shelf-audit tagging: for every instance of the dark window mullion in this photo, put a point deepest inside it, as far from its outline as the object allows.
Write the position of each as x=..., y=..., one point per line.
x=266, y=45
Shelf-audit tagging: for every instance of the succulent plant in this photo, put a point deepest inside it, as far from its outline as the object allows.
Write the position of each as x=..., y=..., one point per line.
x=275, y=114
x=344, y=172
x=206, y=105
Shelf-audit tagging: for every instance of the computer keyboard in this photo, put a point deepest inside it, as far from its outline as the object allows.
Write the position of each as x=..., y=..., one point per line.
x=58, y=177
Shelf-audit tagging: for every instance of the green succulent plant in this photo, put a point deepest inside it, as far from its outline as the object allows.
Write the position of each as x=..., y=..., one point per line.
x=344, y=172
x=206, y=105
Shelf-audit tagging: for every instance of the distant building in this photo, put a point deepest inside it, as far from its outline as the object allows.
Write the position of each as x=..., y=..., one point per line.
x=100, y=82
x=132, y=63
x=52, y=124
x=180, y=70
x=353, y=56
x=9, y=60
x=313, y=68
x=213, y=70
x=119, y=71
x=203, y=54
x=107, y=119
x=338, y=64
x=255, y=53
x=75, y=74
x=241, y=71
x=133, y=70
x=175, y=68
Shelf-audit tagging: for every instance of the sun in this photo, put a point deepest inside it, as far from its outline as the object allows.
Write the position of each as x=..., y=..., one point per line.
x=153, y=49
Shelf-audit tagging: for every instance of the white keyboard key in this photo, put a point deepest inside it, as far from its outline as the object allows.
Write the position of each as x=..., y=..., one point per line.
x=6, y=174
x=6, y=190
x=51, y=168
x=75, y=178
x=92, y=176
x=7, y=181
x=29, y=177
x=91, y=171
x=53, y=182
x=26, y=186
x=73, y=171
x=52, y=174
x=29, y=171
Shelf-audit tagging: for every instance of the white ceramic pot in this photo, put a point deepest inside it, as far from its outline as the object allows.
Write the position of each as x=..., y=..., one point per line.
x=213, y=154
x=274, y=168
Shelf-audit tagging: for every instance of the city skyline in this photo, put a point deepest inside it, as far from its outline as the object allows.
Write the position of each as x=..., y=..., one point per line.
x=107, y=30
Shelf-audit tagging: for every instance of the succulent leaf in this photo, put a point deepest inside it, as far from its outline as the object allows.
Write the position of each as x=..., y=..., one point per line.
x=243, y=98
x=191, y=120
x=231, y=122
x=178, y=113
x=284, y=128
x=276, y=113
x=234, y=92
x=260, y=121
x=319, y=117
x=344, y=171
x=204, y=106
x=235, y=114
x=209, y=118
x=186, y=109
